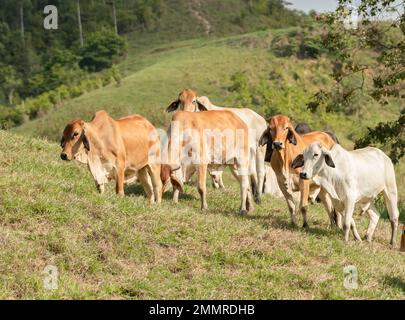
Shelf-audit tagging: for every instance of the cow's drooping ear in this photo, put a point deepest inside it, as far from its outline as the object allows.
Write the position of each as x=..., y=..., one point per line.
x=291, y=137
x=173, y=107
x=165, y=171
x=298, y=162
x=200, y=106
x=176, y=183
x=86, y=142
x=265, y=138
x=329, y=161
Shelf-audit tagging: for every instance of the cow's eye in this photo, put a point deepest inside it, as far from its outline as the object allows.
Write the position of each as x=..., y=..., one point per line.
x=316, y=155
x=75, y=134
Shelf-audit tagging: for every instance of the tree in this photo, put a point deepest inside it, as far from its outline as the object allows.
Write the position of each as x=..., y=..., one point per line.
x=114, y=16
x=369, y=60
x=390, y=135
x=79, y=21
x=9, y=81
x=22, y=21
x=101, y=50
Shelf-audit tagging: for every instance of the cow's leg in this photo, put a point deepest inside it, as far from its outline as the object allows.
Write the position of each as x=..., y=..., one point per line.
x=282, y=183
x=304, y=194
x=255, y=190
x=98, y=174
x=246, y=201
x=176, y=193
x=334, y=217
x=252, y=171
x=217, y=181
x=374, y=217
x=154, y=172
x=201, y=185
x=354, y=230
x=348, y=220
x=146, y=183
x=244, y=187
x=221, y=180
x=100, y=187
x=261, y=168
x=390, y=194
x=120, y=177
x=188, y=172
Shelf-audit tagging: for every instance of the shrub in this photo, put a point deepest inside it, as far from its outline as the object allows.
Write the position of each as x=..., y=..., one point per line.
x=101, y=50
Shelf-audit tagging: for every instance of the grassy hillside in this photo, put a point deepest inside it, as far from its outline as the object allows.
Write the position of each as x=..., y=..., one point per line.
x=155, y=73
x=108, y=247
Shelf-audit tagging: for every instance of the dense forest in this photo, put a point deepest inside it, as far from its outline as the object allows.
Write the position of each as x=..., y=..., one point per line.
x=40, y=68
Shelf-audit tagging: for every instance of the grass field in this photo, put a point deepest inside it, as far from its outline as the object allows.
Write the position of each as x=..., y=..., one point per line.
x=108, y=247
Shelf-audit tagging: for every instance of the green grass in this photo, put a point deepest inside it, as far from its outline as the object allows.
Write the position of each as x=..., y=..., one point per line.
x=109, y=247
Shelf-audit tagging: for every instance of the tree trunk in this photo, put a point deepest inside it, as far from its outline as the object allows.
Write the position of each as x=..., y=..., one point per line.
x=22, y=21
x=11, y=96
x=115, y=17
x=79, y=21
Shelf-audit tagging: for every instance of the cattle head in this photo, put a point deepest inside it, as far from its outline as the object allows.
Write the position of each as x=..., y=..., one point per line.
x=314, y=158
x=74, y=141
x=280, y=131
x=187, y=101
x=168, y=175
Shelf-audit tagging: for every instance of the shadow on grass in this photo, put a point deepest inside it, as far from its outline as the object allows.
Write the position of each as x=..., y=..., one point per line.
x=182, y=196
x=135, y=189
x=395, y=282
x=279, y=222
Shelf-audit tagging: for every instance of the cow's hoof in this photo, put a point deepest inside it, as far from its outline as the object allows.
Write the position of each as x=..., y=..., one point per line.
x=243, y=213
x=258, y=199
x=305, y=225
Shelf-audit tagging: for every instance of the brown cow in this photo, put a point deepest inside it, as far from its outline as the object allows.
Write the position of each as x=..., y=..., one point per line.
x=116, y=149
x=287, y=145
x=215, y=138
x=188, y=100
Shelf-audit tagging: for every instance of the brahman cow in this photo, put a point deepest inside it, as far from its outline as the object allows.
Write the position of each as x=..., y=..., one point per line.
x=188, y=100
x=352, y=177
x=287, y=145
x=123, y=150
x=215, y=138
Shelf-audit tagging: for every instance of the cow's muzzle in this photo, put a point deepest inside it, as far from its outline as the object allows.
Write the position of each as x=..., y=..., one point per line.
x=64, y=156
x=278, y=145
x=304, y=176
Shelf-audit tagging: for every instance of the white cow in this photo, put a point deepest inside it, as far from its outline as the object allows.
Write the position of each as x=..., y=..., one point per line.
x=352, y=177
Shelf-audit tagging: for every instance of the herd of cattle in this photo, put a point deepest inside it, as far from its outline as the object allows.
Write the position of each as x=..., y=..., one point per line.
x=272, y=156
